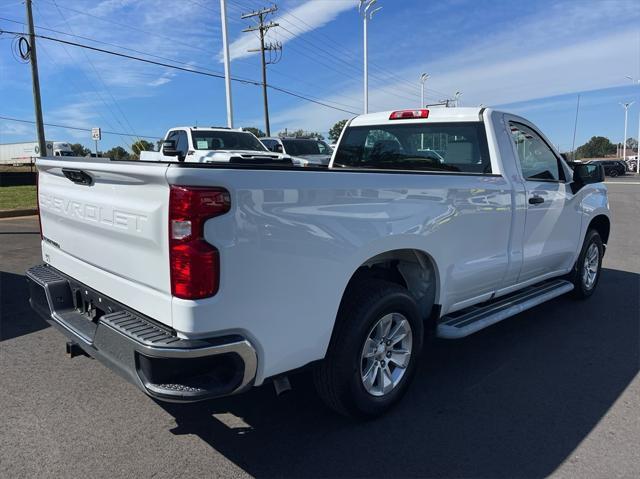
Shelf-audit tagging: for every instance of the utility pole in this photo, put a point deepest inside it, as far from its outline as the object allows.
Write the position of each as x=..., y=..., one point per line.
x=33, y=58
x=367, y=14
x=423, y=78
x=262, y=28
x=227, y=67
x=624, y=140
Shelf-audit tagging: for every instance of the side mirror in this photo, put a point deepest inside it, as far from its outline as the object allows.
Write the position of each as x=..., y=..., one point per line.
x=169, y=149
x=278, y=148
x=584, y=174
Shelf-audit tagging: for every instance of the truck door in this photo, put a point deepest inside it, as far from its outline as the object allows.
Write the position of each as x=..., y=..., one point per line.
x=552, y=223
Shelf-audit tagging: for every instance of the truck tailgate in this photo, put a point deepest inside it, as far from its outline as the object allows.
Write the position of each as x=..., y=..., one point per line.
x=111, y=233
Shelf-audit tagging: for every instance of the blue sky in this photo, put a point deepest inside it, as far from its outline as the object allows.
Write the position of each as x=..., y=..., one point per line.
x=532, y=58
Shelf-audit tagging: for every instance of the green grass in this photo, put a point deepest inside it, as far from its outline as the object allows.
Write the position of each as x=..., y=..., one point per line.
x=17, y=197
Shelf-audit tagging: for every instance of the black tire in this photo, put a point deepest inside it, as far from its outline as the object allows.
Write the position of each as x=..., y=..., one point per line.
x=581, y=289
x=613, y=173
x=338, y=377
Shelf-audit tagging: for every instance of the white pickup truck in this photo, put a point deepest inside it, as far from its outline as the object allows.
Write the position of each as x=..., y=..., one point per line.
x=201, y=280
x=194, y=144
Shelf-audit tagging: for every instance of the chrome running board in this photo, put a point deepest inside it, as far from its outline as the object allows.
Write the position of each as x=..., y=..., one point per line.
x=470, y=320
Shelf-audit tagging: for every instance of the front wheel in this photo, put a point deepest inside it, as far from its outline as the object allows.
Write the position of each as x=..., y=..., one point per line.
x=613, y=173
x=586, y=272
x=373, y=352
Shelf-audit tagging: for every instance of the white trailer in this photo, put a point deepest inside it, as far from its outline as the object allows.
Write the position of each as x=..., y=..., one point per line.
x=25, y=152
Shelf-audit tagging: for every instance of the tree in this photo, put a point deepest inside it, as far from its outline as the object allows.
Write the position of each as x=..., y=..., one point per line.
x=300, y=133
x=141, y=145
x=632, y=143
x=596, y=147
x=80, y=150
x=256, y=131
x=336, y=130
x=117, y=153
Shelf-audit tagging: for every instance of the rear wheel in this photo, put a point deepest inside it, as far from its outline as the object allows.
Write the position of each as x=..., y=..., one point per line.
x=586, y=272
x=373, y=352
x=613, y=173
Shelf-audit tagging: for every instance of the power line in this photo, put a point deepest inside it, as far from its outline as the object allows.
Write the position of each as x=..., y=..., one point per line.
x=384, y=75
x=189, y=70
x=236, y=6
x=99, y=95
x=115, y=45
x=97, y=73
x=131, y=27
x=327, y=55
x=68, y=127
x=190, y=64
x=409, y=86
x=391, y=90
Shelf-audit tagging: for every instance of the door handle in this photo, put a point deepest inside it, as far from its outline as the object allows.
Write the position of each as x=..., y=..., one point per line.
x=536, y=200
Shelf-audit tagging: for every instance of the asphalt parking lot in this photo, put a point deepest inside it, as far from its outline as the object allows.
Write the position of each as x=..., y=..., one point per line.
x=555, y=390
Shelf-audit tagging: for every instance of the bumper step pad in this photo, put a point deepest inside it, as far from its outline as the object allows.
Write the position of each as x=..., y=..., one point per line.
x=138, y=328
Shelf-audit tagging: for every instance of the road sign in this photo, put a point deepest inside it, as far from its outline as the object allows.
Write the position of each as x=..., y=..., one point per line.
x=96, y=134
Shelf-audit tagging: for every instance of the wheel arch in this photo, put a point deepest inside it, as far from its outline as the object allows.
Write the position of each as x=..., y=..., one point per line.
x=412, y=268
x=602, y=225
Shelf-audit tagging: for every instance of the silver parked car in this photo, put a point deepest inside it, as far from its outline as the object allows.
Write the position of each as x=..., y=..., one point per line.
x=316, y=152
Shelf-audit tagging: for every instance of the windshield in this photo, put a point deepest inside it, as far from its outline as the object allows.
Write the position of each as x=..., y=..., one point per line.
x=456, y=147
x=67, y=153
x=299, y=147
x=225, y=140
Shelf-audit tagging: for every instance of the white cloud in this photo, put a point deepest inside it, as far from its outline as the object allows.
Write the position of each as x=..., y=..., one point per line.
x=315, y=14
x=148, y=26
x=10, y=129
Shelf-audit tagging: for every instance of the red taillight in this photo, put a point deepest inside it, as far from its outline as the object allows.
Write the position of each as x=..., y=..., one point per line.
x=195, y=264
x=408, y=114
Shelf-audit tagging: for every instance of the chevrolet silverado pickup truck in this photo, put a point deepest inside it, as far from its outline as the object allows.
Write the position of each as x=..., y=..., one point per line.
x=199, y=280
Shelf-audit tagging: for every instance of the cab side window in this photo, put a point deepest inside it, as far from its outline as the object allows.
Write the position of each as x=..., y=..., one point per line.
x=537, y=160
x=270, y=144
x=182, y=142
x=173, y=135
x=323, y=148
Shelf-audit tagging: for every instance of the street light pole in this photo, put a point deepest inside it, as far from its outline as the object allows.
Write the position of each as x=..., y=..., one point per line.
x=638, y=144
x=423, y=78
x=227, y=67
x=366, y=67
x=624, y=139
x=367, y=14
x=575, y=128
x=456, y=98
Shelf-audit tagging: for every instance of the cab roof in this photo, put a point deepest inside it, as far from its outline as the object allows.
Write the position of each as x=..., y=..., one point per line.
x=436, y=115
x=207, y=128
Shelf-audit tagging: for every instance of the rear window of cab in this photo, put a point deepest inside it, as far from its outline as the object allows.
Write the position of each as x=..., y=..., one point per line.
x=459, y=147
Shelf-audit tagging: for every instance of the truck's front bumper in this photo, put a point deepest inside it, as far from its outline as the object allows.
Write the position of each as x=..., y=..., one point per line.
x=143, y=351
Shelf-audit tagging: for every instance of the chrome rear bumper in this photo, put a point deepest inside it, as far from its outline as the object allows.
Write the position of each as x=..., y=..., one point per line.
x=143, y=351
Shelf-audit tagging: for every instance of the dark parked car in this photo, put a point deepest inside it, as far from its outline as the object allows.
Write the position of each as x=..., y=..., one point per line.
x=612, y=167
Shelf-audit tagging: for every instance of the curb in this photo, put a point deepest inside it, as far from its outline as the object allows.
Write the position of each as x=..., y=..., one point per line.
x=15, y=213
